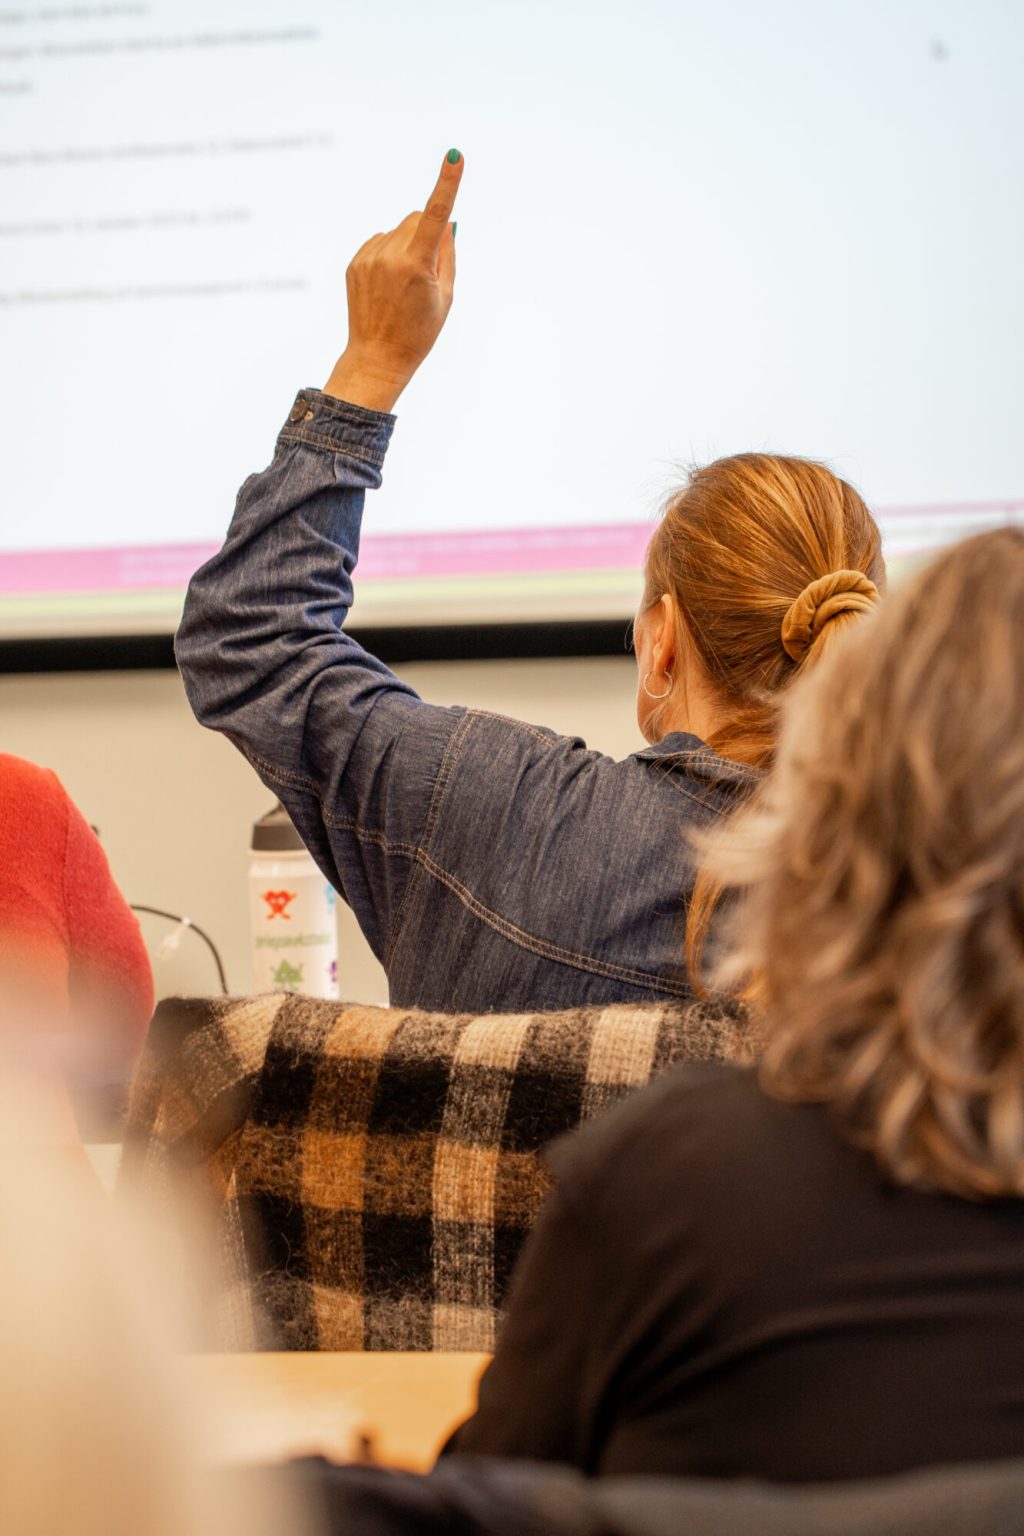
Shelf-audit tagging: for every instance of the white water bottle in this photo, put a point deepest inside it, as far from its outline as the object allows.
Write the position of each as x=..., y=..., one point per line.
x=293, y=913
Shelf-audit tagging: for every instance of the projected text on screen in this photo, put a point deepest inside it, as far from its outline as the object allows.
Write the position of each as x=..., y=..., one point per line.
x=685, y=230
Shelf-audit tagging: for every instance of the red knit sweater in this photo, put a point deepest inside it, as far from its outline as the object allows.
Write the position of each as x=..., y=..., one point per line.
x=68, y=939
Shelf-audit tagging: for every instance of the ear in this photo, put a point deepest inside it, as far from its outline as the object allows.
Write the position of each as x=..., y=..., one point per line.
x=664, y=634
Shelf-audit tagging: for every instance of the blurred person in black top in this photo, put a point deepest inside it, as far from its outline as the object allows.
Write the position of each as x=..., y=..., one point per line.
x=814, y=1269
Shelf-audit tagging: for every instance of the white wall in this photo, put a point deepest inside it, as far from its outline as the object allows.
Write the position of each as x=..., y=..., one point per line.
x=174, y=804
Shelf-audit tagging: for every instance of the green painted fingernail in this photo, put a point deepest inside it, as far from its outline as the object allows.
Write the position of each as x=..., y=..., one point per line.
x=454, y=156
x=455, y=228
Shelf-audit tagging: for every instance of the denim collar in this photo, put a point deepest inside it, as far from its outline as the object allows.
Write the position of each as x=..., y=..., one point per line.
x=688, y=754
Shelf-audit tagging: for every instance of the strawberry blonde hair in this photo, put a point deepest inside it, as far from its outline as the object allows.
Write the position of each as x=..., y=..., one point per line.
x=880, y=875
x=768, y=559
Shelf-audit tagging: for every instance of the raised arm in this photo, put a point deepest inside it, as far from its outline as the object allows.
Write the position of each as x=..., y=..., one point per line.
x=352, y=752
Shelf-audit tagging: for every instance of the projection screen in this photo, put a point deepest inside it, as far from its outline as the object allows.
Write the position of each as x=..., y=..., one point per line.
x=685, y=229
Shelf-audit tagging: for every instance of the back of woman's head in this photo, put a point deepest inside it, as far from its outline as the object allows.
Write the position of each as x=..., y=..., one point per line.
x=884, y=916
x=768, y=559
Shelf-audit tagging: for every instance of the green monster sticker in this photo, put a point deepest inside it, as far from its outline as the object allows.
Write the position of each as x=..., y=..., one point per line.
x=288, y=975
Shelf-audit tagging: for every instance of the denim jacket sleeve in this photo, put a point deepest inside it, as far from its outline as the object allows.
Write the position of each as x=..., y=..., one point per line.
x=353, y=753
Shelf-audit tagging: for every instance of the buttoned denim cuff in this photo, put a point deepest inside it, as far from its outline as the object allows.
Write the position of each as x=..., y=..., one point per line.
x=320, y=421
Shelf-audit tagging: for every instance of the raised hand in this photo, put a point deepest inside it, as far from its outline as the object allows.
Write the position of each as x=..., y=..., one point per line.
x=400, y=288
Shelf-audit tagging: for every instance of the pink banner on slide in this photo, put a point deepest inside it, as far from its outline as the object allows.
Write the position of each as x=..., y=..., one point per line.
x=390, y=557
x=384, y=557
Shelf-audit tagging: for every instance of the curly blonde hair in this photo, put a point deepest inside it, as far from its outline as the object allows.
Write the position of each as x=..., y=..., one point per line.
x=880, y=874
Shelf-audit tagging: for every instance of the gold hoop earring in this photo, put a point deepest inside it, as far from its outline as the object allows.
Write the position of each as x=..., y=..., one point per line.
x=651, y=695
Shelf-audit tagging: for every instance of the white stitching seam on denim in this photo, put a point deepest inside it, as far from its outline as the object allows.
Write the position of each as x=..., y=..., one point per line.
x=520, y=725
x=667, y=777
x=421, y=860
x=444, y=773
x=330, y=446
x=284, y=775
x=503, y=925
x=705, y=758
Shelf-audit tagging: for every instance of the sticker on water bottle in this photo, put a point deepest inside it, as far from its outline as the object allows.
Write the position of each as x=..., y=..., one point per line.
x=293, y=914
x=288, y=976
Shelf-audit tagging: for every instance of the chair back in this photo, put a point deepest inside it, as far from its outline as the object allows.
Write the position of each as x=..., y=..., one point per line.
x=378, y=1169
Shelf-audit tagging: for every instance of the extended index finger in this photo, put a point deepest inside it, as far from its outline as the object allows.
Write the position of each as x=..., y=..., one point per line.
x=434, y=219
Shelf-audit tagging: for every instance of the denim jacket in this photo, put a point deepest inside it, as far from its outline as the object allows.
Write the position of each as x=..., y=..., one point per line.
x=492, y=865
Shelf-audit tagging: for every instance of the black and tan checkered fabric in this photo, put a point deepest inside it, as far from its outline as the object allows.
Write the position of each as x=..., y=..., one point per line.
x=380, y=1169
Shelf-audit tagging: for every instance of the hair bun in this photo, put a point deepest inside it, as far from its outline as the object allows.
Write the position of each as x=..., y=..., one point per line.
x=820, y=601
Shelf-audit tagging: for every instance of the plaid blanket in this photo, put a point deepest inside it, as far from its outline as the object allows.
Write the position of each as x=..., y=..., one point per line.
x=376, y=1171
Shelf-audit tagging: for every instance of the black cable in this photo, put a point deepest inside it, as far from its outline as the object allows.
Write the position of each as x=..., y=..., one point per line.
x=173, y=917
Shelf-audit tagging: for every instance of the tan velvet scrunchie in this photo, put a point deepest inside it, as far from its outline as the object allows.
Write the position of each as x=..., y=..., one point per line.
x=820, y=601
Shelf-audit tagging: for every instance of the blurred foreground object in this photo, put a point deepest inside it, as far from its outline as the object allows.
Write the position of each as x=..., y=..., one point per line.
x=99, y=1432
x=75, y=979
x=387, y=1407
x=484, y=1496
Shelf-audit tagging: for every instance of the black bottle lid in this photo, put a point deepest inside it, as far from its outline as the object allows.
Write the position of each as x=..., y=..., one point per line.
x=275, y=833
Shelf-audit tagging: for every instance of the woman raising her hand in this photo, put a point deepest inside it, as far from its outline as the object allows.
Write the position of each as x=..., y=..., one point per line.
x=493, y=864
